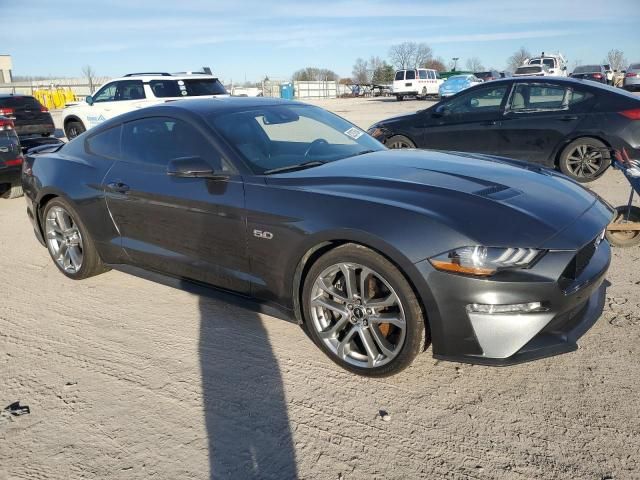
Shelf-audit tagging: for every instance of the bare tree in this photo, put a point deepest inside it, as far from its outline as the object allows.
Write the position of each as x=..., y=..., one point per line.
x=517, y=59
x=360, y=72
x=615, y=58
x=410, y=54
x=423, y=54
x=402, y=55
x=90, y=75
x=474, y=64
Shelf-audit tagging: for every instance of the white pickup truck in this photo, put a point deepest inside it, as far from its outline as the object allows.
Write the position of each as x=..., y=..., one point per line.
x=419, y=82
x=556, y=64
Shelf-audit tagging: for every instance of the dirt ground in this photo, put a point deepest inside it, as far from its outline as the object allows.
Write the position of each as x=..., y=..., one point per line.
x=130, y=379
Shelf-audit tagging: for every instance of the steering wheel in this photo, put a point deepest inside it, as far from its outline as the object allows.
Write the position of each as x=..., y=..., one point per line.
x=317, y=142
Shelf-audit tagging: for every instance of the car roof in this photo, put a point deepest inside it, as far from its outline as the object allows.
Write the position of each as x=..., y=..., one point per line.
x=200, y=107
x=147, y=77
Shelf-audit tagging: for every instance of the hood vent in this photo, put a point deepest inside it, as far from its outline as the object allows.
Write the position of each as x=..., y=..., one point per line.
x=498, y=192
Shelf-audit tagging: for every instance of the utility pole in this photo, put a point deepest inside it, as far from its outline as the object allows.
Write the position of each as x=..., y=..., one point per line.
x=455, y=63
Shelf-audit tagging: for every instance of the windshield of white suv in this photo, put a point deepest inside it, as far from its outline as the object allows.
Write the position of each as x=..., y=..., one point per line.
x=276, y=138
x=192, y=87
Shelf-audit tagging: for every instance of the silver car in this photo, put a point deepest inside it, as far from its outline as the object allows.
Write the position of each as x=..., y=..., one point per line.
x=632, y=77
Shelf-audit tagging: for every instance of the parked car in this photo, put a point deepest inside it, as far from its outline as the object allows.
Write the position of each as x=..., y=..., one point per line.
x=488, y=75
x=274, y=199
x=594, y=73
x=134, y=91
x=632, y=77
x=10, y=160
x=456, y=84
x=29, y=116
x=560, y=123
x=555, y=63
x=420, y=83
x=532, y=70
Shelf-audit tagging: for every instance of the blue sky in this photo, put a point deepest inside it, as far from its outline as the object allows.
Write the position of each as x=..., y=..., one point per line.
x=250, y=39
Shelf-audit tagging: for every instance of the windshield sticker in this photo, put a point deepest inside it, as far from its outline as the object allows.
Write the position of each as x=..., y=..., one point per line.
x=354, y=133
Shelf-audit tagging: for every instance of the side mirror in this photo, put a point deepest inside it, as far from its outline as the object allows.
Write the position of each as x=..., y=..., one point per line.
x=89, y=99
x=190, y=167
x=440, y=111
x=564, y=68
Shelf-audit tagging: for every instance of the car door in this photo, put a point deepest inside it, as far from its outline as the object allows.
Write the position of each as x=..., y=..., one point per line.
x=539, y=116
x=467, y=121
x=129, y=96
x=192, y=228
x=100, y=108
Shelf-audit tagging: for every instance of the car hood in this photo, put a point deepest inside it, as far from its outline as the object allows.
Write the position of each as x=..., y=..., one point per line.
x=492, y=200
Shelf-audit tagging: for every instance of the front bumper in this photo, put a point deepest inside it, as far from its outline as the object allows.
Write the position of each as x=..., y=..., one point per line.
x=572, y=307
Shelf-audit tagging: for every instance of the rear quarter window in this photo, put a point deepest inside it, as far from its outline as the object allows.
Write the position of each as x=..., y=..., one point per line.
x=187, y=87
x=105, y=144
x=400, y=75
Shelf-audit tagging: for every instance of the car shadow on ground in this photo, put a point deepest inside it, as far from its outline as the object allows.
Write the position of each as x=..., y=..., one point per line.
x=245, y=407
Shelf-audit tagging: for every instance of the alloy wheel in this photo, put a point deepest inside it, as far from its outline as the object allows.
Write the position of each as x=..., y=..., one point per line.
x=358, y=315
x=64, y=240
x=396, y=144
x=585, y=161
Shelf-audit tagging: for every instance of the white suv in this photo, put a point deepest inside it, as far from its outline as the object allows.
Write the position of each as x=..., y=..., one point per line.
x=136, y=90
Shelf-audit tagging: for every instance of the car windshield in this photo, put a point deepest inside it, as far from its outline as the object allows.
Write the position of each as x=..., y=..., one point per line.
x=279, y=137
x=587, y=69
x=634, y=66
x=194, y=87
x=528, y=70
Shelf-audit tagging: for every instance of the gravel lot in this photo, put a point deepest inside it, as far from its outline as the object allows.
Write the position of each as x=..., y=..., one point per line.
x=129, y=379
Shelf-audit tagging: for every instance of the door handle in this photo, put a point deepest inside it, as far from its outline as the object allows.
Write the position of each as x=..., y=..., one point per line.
x=568, y=118
x=491, y=123
x=118, y=187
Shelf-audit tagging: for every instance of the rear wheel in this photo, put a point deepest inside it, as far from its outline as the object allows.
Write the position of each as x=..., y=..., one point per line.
x=399, y=141
x=584, y=159
x=14, y=191
x=69, y=243
x=625, y=238
x=361, y=311
x=73, y=128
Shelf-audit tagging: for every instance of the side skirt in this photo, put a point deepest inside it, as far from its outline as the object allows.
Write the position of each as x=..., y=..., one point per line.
x=209, y=291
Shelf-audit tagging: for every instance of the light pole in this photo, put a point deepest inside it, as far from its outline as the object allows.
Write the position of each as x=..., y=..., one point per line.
x=455, y=63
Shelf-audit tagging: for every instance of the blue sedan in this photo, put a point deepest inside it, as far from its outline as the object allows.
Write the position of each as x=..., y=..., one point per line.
x=456, y=84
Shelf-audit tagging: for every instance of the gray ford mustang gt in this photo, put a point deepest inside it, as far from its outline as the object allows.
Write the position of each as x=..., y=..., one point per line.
x=377, y=253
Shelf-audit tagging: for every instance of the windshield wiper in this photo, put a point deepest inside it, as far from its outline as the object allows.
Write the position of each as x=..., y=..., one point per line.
x=364, y=152
x=293, y=168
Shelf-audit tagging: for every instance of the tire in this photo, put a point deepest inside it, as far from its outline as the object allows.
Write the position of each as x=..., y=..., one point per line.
x=73, y=128
x=621, y=238
x=399, y=98
x=584, y=159
x=399, y=141
x=342, y=336
x=14, y=191
x=90, y=263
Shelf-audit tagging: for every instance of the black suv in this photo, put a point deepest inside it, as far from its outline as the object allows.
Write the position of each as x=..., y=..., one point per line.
x=10, y=160
x=27, y=113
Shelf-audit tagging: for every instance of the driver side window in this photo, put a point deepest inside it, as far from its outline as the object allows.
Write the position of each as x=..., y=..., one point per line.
x=106, y=93
x=483, y=100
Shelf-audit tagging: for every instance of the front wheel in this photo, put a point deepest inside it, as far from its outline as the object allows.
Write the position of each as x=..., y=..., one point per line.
x=361, y=311
x=625, y=238
x=73, y=128
x=584, y=159
x=399, y=141
x=69, y=243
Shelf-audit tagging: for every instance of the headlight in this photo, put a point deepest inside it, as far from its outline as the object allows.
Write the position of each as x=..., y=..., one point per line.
x=376, y=132
x=484, y=261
